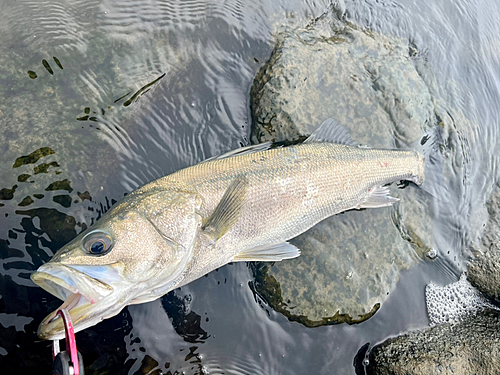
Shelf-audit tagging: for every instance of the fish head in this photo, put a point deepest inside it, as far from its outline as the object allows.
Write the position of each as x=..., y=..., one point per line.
x=142, y=244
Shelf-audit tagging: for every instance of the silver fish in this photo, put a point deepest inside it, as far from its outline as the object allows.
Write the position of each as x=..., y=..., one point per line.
x=241, y=206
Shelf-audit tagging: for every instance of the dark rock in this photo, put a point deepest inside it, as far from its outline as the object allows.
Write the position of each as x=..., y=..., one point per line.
x=23, y=177
x=7, y=194
x=60, y=185
x=484, y=271
x=469, y=347
x=33, y=157
x=44, y=168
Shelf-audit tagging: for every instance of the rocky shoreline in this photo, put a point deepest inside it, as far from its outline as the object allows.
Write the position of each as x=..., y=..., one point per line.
x=469, y=347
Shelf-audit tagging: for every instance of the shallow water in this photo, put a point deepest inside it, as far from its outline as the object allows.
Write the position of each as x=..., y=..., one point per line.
x=138, y=90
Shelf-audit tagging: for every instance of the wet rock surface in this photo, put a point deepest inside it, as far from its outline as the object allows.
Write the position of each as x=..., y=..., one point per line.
x=484, y=271
x=342, y=274
x=469, y=347
x=363, y=79
x=370, y=84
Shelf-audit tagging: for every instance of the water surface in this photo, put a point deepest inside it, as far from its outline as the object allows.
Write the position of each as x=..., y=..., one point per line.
x=100, y=97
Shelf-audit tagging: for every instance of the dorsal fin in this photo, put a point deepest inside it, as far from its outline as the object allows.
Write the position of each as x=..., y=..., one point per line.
x=242, y=151
x=330, y=131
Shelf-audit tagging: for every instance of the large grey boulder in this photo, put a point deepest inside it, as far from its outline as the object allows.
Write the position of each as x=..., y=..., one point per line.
x=368, y=81
x=370, y=84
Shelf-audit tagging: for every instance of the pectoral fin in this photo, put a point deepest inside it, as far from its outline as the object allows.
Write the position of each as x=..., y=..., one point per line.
x=379, y=197
x=228, y=211
x=268, y=253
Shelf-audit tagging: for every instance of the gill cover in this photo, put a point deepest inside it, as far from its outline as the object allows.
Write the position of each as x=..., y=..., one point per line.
x=175, y=218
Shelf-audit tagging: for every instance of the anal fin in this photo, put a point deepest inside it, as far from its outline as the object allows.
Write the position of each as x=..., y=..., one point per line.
x=142, y=299
x=379, y=197
x=268, y=253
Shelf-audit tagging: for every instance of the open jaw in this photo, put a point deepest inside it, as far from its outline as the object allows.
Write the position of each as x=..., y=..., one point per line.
x=82, y=295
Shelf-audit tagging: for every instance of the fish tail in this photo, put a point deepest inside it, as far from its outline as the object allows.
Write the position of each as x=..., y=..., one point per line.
x=430, y=159
x=419, y=171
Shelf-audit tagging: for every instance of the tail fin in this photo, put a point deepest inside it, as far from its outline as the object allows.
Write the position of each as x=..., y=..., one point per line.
x=428, y=147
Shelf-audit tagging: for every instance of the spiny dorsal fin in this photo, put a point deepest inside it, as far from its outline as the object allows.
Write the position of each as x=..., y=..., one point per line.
x=227, y=212
x=242, y=151
x=379, y=197
x=268, y=253
x=330, y=131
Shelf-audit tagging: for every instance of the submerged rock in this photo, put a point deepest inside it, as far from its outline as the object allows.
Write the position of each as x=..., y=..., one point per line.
x=369, y=83
x=347, y=267
x=469, y=347
x=484, y=271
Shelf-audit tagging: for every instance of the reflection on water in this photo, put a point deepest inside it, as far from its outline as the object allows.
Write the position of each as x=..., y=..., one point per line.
x=99, y=97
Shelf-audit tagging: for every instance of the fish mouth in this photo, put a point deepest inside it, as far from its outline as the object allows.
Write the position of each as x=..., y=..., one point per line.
x=83, y=296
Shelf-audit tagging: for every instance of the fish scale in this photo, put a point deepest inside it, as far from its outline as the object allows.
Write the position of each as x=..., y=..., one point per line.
x=290, y=189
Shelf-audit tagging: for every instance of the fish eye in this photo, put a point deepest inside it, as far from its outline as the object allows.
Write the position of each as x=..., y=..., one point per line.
x=97, y=243
x=97, y=247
